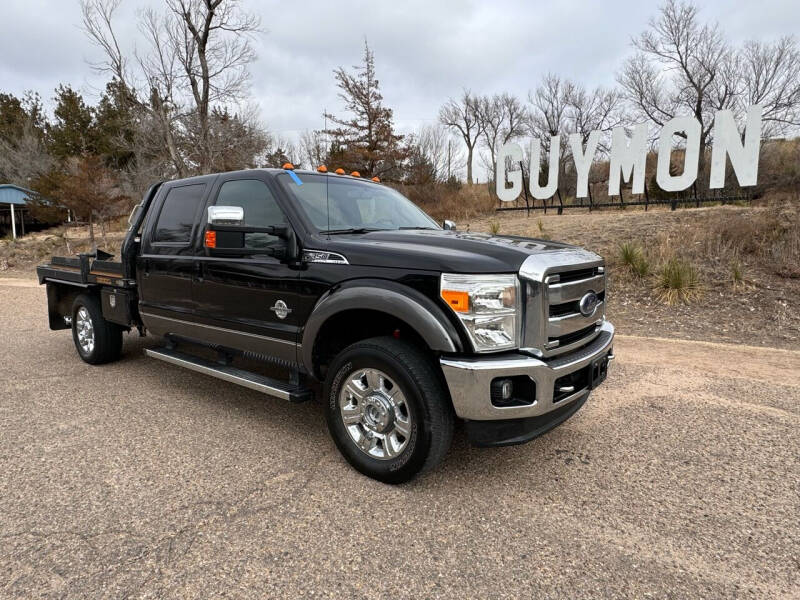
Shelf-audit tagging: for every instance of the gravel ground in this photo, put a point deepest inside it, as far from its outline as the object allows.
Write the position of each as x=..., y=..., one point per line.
x=678, y=479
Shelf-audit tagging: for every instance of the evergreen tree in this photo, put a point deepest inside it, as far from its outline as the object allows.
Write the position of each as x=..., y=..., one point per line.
x=73, y=131
x=366, y=141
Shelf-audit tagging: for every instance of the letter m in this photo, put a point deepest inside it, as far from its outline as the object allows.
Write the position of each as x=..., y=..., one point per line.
x=628, y=160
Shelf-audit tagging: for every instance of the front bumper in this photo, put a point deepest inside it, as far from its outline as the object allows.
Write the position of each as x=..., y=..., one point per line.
x=470, y=378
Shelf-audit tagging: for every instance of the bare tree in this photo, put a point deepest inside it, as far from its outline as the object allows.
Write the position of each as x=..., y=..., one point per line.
x=463, y=116
x=198, y=55
x=770, y=77
x=504, y=118
x=681, y=67
x=596, y=110
x=24, y=159
x=435, y=145
x=550, y=116
x=313, y=148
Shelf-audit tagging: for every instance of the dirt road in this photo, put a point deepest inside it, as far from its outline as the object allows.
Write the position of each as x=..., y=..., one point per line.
x=679, y=478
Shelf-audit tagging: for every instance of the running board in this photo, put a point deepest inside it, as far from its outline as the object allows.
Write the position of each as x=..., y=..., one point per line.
x=260, y=383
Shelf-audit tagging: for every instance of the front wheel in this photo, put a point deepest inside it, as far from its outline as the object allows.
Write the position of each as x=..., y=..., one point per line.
x=387, y=409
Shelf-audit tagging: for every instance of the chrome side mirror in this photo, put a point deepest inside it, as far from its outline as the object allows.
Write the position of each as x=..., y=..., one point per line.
x=448, y=225
x=225, y=215
x=134, y=214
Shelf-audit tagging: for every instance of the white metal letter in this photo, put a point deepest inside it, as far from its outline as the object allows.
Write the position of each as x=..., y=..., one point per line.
x=666, y=181
x=628, y=159
x=583, y=160
x=512, y=151
x=537, y=191
x=728, y=142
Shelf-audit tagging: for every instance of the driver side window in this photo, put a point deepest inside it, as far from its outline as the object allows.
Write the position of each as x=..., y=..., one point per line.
x=260, y=208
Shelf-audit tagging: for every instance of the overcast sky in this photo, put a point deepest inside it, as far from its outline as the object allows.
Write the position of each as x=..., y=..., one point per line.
x=425, y=51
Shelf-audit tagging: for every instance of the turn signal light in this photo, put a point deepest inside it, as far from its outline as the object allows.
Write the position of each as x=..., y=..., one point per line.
x=288, y=166
x=457, y=300
x=376, y=179
x=339, y=171
x=355, y=174
x=322, y=169
x=211, y=239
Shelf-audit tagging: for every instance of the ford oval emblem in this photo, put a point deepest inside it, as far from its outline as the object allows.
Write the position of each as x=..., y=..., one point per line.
x=588, y=303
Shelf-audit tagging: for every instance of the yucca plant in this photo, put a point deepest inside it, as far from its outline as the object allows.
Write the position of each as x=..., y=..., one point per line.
x=633, y=257
x=677, y=281
x=737, y=273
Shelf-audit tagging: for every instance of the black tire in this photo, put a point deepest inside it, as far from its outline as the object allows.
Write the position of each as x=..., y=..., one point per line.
x=107, y=336
x=429, y=403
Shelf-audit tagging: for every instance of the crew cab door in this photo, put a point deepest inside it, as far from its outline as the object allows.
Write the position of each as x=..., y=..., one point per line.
x=249, y=302
x=165, y=266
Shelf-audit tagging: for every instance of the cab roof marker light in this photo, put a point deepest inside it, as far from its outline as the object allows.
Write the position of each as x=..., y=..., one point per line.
x=339, y=171
x=322, y=169
x=376, y=179
x=288, y=166
x=355, y=174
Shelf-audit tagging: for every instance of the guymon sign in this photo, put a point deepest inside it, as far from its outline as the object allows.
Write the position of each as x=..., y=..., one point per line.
x=628, y=156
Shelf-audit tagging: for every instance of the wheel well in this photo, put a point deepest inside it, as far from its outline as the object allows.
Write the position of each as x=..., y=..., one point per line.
x=350, y=326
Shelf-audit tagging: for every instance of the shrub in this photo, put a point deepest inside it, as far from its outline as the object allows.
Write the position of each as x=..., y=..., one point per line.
x=633, y=257
x=737, y=273
x=677, y=281
x=494, y=227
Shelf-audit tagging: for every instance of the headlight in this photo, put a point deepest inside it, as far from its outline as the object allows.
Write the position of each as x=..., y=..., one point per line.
x=488, y=305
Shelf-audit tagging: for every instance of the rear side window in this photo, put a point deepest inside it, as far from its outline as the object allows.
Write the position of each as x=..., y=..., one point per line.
x=260, y=208
x=177, y=215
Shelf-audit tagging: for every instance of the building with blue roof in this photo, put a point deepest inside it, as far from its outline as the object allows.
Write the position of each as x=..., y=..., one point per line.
x=14, y=207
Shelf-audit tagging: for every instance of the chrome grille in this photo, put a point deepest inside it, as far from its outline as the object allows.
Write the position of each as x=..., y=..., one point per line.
x=554, y=284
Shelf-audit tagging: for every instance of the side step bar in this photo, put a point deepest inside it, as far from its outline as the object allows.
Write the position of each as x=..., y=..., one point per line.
x=273, y=387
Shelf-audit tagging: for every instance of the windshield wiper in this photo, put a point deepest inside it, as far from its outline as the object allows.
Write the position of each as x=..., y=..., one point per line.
x=350, y=230
x=430, y=228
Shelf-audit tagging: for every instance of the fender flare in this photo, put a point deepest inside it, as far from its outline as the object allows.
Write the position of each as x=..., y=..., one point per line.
x=394, y=299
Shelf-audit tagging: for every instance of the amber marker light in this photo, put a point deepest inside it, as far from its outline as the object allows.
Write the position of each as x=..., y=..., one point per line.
x=355, y=174
x=339, y=171
x=457, y=300
x=288, y=166
x=322, y=169
x=376, y=179
x=211, y=239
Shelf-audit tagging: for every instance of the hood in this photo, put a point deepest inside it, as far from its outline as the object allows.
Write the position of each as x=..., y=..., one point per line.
x=440, y=250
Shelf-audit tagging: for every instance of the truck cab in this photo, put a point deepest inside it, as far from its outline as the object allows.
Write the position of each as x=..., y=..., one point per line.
x=401, y=327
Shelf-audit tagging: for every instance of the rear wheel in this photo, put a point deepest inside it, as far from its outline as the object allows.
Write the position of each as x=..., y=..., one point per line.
x=96, y=340
x=387, y=409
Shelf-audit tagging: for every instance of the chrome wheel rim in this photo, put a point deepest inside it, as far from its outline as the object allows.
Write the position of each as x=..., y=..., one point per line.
x=375, y=413
x=85, y=330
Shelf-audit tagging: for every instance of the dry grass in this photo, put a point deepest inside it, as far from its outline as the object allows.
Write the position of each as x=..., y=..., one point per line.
x=460, y=203
x=677, y=281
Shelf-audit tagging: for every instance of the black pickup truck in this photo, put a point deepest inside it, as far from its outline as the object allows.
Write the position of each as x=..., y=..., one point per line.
x=351, y=292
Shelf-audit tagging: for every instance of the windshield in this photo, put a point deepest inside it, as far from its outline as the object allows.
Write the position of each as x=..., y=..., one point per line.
x=355, y=206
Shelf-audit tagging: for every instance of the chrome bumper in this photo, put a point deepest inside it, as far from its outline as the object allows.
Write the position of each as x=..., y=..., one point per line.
x=469, y=379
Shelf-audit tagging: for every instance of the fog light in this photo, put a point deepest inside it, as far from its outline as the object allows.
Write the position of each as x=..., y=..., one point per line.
x=519, y=390
x=502, y=391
